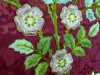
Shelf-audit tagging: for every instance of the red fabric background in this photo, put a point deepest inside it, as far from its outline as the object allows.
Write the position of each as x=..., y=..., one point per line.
x=11, y=63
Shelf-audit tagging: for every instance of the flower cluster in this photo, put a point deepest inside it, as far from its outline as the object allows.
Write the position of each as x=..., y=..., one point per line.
x=29, y=20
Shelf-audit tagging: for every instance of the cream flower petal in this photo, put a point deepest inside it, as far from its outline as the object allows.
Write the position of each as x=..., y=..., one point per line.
x=23, y=9
x=73, y=7
x=70, y=25
x=36, y=12
x=24, y=26
x=39, y=24
x=78, y=25
x=69, y=58
x=80, y=15
x=16, y=19
x=74, y=27
x=64, y=12
x=18, y=23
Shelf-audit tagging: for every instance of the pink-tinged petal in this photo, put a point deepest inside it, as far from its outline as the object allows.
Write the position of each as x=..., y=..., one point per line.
x=79, y=13
x=73, y=7
x=69, y=58
x=39, y=24
x=36, y=12
x=63, y=13
x=25, y=8
x=19, y=23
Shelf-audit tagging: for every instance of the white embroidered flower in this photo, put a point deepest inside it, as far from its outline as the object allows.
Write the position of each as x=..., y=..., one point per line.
x=61, y=62
x=71, y=16
x=29, y=19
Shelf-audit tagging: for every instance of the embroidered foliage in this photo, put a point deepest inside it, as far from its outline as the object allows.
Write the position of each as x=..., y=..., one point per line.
x=22, y=46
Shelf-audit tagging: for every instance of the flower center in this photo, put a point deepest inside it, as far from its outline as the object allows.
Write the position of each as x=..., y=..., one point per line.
x=29, y=20
x=72, y=17
x=61, y=63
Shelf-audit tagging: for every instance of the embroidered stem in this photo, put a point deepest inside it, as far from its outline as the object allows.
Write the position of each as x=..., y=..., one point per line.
x=16, y=3
x=40, y=34
x=52, y=9
x=66, y=73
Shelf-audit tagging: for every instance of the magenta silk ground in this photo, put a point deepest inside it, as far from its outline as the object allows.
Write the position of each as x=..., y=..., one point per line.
x=12, y=63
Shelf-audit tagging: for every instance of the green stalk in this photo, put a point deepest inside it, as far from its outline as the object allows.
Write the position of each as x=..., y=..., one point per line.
x=53, y=13
x=40, y=34
x=66, y=73
x=56, y=36
x=15, y=3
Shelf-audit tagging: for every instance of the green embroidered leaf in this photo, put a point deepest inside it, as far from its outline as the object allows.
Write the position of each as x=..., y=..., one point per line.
x=44, y=45
x=97, y=1
x=86, y=43
x=32, y=61
x=94, y=30
x=22, y=46
x=41, y=69
x=14, y=2
x=98, y=12
x=69, y=41
x=81, y=33
x=78, y=51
